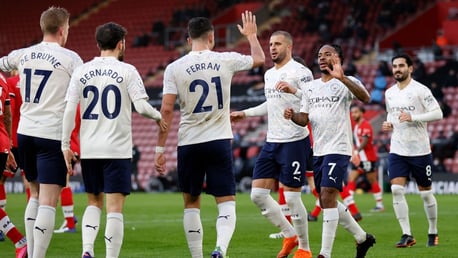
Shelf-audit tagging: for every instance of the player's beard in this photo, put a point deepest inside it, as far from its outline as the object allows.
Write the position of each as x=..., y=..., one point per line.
x=121, y=55
x=400, y=78
x=326, y=71
x=280, y=57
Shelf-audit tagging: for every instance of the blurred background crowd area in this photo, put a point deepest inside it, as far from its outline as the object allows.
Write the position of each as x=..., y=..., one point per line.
x=370, y=32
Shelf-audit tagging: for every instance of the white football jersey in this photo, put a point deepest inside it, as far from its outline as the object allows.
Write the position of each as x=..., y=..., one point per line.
x=409, y=138
x=279, y=129
x=45, y=70
x=328, y=106
x=105, y=88
x=202, y=81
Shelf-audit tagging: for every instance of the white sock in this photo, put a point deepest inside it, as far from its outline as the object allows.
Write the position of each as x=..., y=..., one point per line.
x=348, y=200
x=43, y=230
x=401, y=209
x=350, y=224
x=299, y=218
x=114, y=234
x=193, y=231
x=378, y=197
x=330, y=222
x=430, y=205
x=30, y=216
x=271, y=210
x=225, y=224
x=90, y=226
x=285, y=209
x=68, y=211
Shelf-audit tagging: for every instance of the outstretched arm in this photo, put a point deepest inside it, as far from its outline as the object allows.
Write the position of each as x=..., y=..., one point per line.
x=249, y=30
x=337, y=72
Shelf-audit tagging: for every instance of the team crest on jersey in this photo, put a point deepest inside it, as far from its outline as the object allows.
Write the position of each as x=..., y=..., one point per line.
x=283, y=76
x=335, y=87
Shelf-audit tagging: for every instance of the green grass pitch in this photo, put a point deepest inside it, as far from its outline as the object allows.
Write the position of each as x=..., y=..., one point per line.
x=153, y=228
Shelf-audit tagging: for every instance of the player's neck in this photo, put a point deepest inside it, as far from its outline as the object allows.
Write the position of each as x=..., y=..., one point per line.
x=51, y=39
x=404, y=83
x=326, y=77
x=200, y=46
x=109, y=53
x=282, y=63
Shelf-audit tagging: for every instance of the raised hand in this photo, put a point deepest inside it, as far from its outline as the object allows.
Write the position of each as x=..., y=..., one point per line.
x=337, y=70
x=249, y=26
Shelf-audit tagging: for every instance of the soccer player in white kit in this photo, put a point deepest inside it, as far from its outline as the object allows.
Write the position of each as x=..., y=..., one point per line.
x=284, y=154
x=105, y=88
x=45, y=70
x=326, y=104
x=201, y=81
x=410, y=105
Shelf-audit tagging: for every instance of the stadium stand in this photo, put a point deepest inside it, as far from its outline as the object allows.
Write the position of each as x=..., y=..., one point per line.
x=357, y=26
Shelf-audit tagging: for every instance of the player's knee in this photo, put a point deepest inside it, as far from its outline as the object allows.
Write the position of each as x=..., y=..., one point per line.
x=398, y=192
x=428, y=197
x=259, y=195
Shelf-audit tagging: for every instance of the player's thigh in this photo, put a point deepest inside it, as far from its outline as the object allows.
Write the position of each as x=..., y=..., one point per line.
x=398, y=166
x=191, y=168
x=116, y=176
x=220, y=175
x=28, y=154
x=51, y=166
x=92, y=172
x=266, y=166
x=421, y=167
x=292, y=158
x=333, y=170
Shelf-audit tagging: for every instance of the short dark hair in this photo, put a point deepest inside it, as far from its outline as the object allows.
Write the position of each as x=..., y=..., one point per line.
x=299, y=60
x=405, y=56
x=360, y=107
x=338, y=50
x=199, y=26
x=109, y=34
x=285, y=34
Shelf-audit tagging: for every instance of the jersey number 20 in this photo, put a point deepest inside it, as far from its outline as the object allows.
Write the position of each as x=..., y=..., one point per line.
x=89, y=114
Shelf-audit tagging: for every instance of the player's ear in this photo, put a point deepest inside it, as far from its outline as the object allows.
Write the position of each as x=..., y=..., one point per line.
x=211, y=37
x=120, y=44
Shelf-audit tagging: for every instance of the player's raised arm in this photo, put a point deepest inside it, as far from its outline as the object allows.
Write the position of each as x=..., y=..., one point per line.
x=249, y=29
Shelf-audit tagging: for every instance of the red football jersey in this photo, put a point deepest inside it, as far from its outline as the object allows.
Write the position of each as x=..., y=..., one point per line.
x=75, y=137
x=4, y=98
x=364, y=129
x=15, y=103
